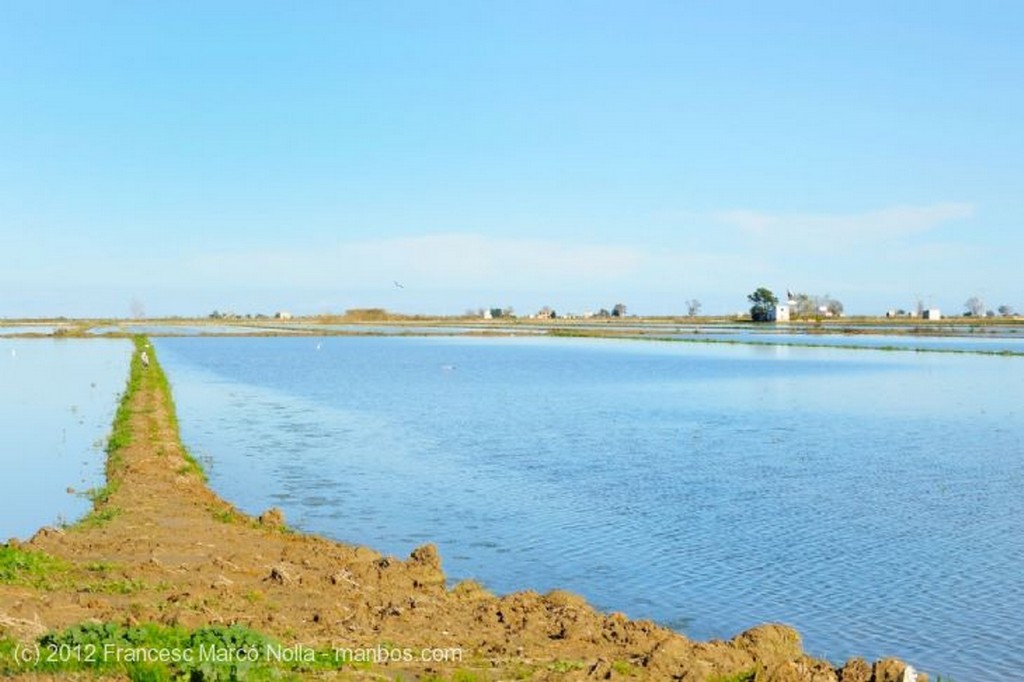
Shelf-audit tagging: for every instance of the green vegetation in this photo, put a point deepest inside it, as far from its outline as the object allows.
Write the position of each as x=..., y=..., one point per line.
x=155, y=374
x=226, y=515
x=624, y=668
x=457, y=676
x=121, y=436
x=764, y=301
x=98, y=517
x=34, y=569
x=156, y=652
x=44, y=572
x=742, y=676
x=466, y=676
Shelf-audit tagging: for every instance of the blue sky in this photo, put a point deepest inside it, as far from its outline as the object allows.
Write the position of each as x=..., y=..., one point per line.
x=257, y=156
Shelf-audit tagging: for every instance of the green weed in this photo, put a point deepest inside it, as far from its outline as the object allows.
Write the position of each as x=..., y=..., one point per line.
x=465, y=676
x=98, y=517
x=24, y=567
x=623, y=668
x=156, y=652
x=742, y=676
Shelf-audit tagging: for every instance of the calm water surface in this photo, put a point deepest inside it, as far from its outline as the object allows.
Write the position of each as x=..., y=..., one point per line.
x=873, y=500
x=16, y=329
x=979, y=343
x=57, y=403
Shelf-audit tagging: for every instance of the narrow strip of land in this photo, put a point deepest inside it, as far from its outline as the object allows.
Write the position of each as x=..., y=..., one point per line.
x=162, y=557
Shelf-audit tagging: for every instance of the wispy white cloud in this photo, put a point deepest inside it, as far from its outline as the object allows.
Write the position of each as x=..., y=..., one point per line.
x=829, y=230
x=716, y=257
x=758, y=252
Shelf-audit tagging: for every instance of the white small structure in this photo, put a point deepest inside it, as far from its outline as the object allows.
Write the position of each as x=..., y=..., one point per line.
x=931, y=314
x=779, y=313
x=283, y=315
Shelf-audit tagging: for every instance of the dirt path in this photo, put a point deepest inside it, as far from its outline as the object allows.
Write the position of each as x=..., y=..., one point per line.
x=162, y=548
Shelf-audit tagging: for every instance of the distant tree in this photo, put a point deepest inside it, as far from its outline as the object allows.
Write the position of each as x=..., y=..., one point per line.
x=603, y=312
x=1005, y=310
x=692, y=308
x=619, y=310
x=804, y=305
x=812, y=306
x=546, y=313
x=496, y=313
x=990, y=313
x=834, y=306
x=138, y=309
x=764, y=301
x=216, y=315
x=974, y=307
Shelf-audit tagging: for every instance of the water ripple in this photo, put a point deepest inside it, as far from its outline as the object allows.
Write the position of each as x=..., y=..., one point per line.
x=874, y=502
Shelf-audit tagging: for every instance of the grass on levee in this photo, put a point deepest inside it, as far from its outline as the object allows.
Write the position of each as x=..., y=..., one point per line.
x=28, y=568
x=140, y=376
x=157, y=652
x=38, y=570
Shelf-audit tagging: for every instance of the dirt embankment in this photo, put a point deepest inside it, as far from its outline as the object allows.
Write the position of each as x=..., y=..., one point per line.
x=161, y=548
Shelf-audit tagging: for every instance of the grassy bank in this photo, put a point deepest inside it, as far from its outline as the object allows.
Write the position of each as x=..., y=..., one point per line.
x=148, y=651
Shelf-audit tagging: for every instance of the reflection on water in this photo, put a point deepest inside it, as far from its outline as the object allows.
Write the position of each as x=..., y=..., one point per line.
x=157, y=329
x=995, y=343
x=57, y=402
x=18, y=329
x=873, y=500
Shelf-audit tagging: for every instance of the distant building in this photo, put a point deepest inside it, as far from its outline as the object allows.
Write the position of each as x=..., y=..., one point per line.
x=282, y=315
x=779, y=313
x=931, y=314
